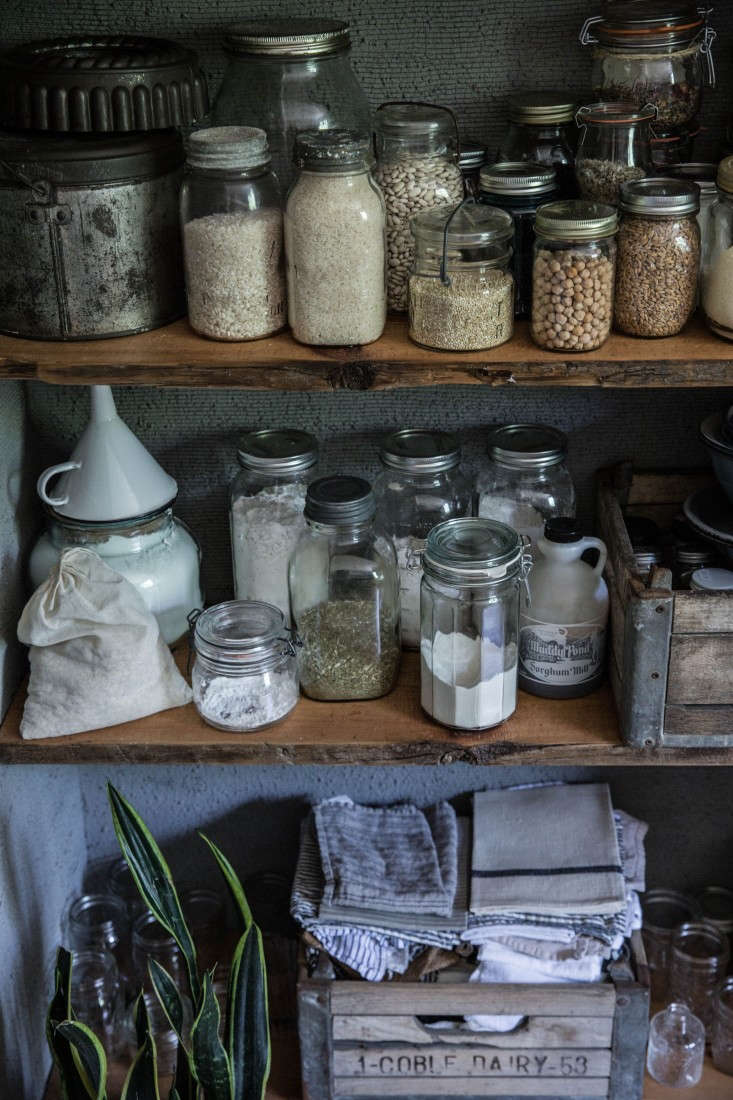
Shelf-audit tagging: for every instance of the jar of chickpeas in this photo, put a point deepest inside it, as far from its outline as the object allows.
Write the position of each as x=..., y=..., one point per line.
x=573, y=275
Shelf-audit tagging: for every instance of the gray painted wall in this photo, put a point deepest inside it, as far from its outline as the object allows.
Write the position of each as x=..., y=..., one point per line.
x=16, y=520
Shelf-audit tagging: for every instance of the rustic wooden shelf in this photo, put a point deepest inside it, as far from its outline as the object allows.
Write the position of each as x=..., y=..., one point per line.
x=176, y=356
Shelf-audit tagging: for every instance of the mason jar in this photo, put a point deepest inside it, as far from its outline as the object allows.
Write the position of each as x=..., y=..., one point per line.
x=542, y=130
x=101, y=922
x=526, y=481
x=267, y=499
x=417, y=148
x=614, y=147
x=520, y=188
x=663, y=912
x=461, y=292
x=717, y=283
x=469, y=606
x=471, y=158
x=290, y=75
x=573, y=275
x=335, y=242
x=722, y=1040
x=658, y=257
x=231, y=218
x=716, y=903
x=245, y=674
x=704, y=175
x=699, y=962
x=422, y=484
x=344, y=594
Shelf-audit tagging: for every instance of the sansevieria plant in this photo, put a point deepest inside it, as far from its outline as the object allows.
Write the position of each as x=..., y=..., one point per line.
x=229, y=1063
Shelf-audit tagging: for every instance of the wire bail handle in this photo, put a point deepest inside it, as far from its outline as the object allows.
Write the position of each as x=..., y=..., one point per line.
x=469, y=200
x=525, y=567
x=587, y=39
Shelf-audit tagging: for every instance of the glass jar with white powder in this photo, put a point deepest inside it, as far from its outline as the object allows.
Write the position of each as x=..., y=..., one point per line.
x=245, y=674
x=717, y=283
x=422, y=484
x=267, y=502
x=472, y=571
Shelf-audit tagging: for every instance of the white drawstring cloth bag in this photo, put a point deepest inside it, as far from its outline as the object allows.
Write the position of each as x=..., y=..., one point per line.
x=97, y=657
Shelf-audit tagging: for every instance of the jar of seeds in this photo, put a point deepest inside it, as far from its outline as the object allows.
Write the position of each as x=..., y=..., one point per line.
x=335, y=242
x=614, y=147
x=416, y=146
x=344, y=594
x=574, y=267
x=658, y=256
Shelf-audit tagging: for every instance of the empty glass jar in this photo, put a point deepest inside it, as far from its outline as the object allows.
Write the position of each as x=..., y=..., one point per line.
x=614, y=147
x=716, y=904
x=100, y=922
x=676, y=1049
x=663, y=912
x=205, y=915
x=542, y=129
x=722, y=1039
x=119, y=881
x=151, y=941
x=97, y=998
x=699, y=962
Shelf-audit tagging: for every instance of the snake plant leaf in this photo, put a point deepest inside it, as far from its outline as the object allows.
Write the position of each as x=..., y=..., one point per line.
x=153, y=879
x=89, y=1056
x=232, y=881
x=172, y=1005
x=141, y=1082
x=248, y=1036
x=59, y=1012
x=210, y=1061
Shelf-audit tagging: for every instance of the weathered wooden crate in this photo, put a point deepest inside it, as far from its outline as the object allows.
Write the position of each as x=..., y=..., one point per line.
x=365, y=1039
x=671, y=653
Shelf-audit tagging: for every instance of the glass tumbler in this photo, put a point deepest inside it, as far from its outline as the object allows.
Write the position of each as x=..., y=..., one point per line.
x=676, y=1047
x=96, y=996
x=663, y=912
x=699, y=962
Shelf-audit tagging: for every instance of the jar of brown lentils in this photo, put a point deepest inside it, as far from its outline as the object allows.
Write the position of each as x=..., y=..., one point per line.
x=573, y=275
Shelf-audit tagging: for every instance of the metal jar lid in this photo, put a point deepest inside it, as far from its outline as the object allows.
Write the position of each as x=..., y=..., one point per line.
x=725, y=175
x=576, y=220
x=288, y=38
x=221, y=147
x=657, y=196
x=470, y=226
x=527, y=446
x=703, y=173
x=412, y=120
x=81, y=159
x=472, y=550
x=518, y=177
x=712, y=580
x=541, y=108
x=339, y=501
x=278, y=451
x=243, y=636
x=326, y=150
x=694, y=553
x=101, y=84
x=639, y=26
x=471, y=155
x=414, y=451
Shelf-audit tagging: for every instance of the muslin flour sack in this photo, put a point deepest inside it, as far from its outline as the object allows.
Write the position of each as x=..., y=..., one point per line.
x=97, y=657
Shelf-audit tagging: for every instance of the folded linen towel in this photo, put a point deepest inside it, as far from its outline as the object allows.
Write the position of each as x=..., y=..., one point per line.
x=547, y=850
x=631, y=847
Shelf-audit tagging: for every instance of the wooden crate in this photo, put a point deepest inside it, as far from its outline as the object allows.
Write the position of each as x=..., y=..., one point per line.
x=365, y=1039
x=671, y=652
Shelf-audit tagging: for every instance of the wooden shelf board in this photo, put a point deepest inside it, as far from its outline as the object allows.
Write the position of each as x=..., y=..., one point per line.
x=714, y=1086
x=391, y=730
x=176, y=356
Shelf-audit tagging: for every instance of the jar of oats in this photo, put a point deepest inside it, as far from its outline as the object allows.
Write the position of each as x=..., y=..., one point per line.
x=417, y=169
x=658, y=256
x=573, y=275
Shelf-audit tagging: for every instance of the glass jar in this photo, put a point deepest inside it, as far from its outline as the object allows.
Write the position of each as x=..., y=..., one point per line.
x=658, y=258
x=669, y=148
x=688, y=558
x=231, y=219
x=119, y=881
x=526, y=481
x=344, y=594
x=704, y=175
x=416, y=146
x=150, y=940
x=245, y=674
x=97, y=998
x=541, y=129
x=166, y=1040
x=520, y=188
x=267, y=499
x=652, y=52
x=676, y=1051
x=472, y=569
x=614, y=147
x=663, y=912
x=716, y=903
x=646, y=557
x=157, y=553
x=722, y=1039
x=461, y=292
x=335, y=242
x=573, y=275
x=205, y=916
x=471, y=158
x=289, y=75
x=717, y=283
x=100, y=922
x=699, y=962
x=421, y=485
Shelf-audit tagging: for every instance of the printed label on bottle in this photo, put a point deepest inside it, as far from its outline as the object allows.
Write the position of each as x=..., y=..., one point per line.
x=560, y=655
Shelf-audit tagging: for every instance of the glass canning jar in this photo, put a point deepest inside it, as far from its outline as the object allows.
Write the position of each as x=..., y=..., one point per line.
x=97, y=997
x=614, y=147
x=101, y=922
x=245, y=674
x=658, y=258
x=461, y=292
x=231, y=219
x=150, y=940
x=699, y=962
x=663, y=911
x=717, y=283
x=472, y=570
x=471, y=158
x=267, y=499
x=344, y=594
x=417, y=148
x=542, y=130
x=573, y=275
x=520, y=188
x=704, y=175
x=716, y=903
x=119, y=881
x=290, y=75
x=335, y=242
x=526, y=481
x=421, y=485
x=722, y=1039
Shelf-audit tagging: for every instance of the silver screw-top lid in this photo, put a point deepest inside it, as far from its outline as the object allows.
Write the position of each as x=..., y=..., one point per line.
x=288, y=37
x=540, y=108
x=527, y=446
x=415, y=451
x=521, y=177
x=712, y=580
x=325, y=150
x=657, y=196
x=471, y=155
x=228, y=147
x=472, y=550
x=278, y=451
x=339, y=501
x=576, y=220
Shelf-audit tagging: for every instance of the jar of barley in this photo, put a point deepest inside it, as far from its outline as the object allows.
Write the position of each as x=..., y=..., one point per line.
x=573, y=275
x=417, y=169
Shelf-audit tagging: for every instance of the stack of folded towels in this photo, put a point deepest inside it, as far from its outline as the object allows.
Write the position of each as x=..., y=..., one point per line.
x=541, y=885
